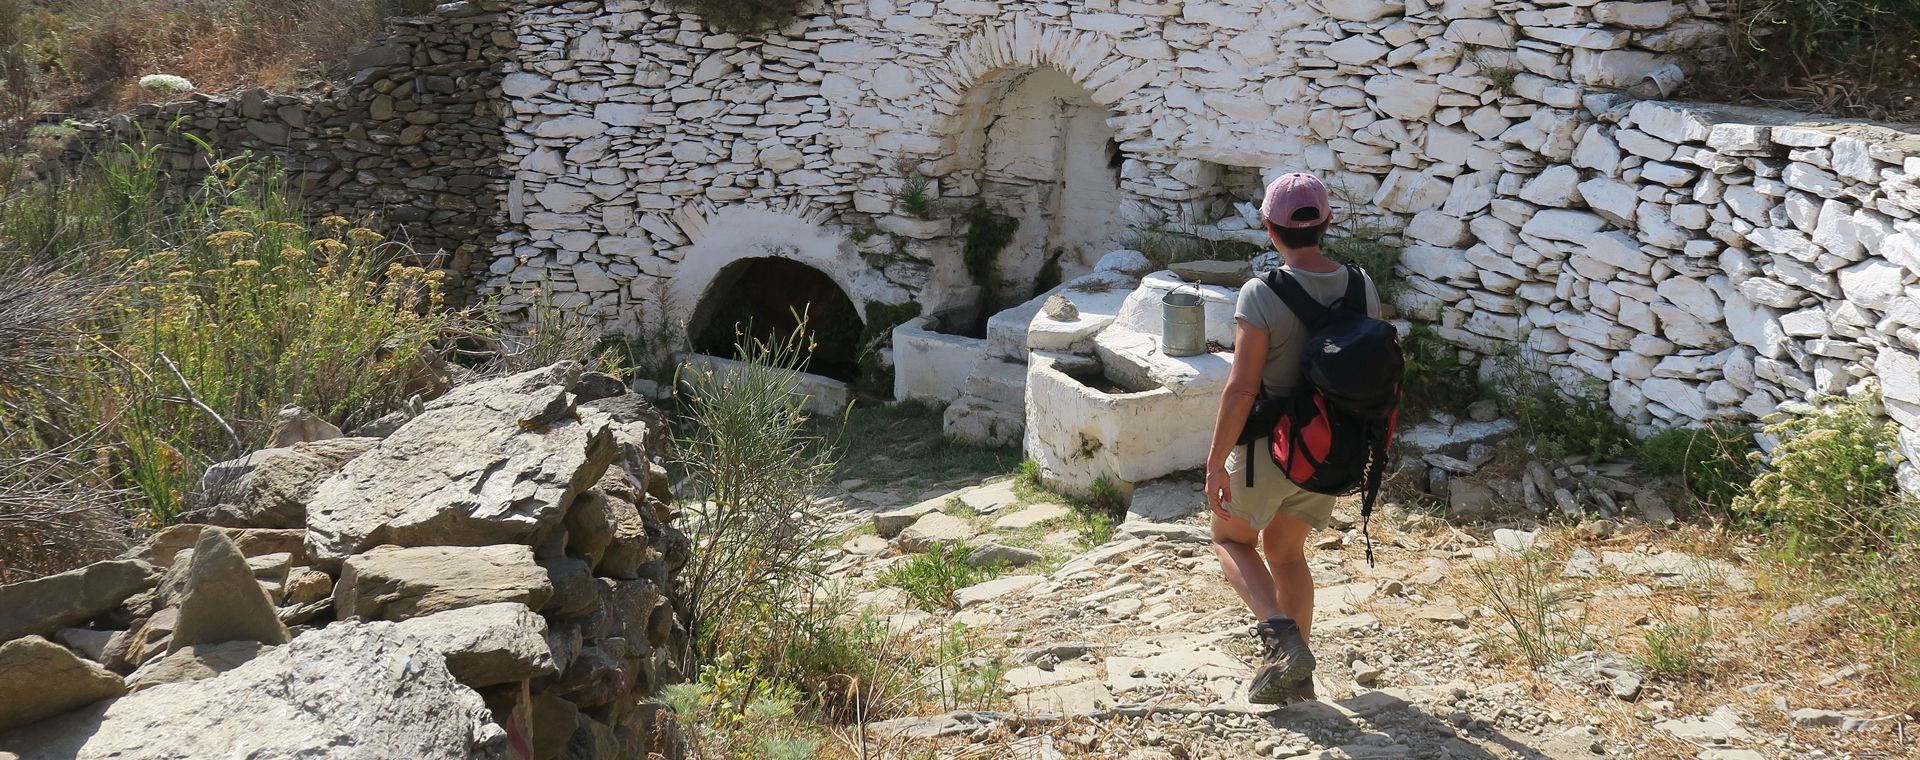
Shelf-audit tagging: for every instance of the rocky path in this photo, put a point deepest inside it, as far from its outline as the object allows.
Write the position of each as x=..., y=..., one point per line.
x=1135, y=648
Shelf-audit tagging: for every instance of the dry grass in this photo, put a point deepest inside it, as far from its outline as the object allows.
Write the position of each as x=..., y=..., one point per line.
x=61, y=56
x=1855, y=58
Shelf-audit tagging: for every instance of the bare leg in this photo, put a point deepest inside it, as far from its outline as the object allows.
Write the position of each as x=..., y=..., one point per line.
x=1285, y=540
x=1233, y=541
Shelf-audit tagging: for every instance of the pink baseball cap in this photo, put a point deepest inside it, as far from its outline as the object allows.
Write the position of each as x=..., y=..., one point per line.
x=1292, y=192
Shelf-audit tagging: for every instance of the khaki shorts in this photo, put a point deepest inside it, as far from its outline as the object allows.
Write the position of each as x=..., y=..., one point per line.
x=1272, y=493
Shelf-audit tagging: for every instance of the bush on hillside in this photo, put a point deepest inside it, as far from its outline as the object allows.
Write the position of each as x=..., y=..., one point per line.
x=1828, y=488
x=743, y=16
x=1711, y=461
x=223, y=307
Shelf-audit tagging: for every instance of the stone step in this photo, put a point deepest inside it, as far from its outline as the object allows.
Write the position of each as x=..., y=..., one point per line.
x=1002, y=383
x=977, y=420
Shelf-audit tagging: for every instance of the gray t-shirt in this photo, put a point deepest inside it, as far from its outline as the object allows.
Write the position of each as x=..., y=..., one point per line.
x=1261, y=307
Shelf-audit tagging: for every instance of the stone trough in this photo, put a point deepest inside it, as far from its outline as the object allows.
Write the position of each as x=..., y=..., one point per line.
x=1122, y=409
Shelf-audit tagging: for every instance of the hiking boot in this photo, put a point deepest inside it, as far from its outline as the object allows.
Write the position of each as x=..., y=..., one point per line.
x=1285, y=664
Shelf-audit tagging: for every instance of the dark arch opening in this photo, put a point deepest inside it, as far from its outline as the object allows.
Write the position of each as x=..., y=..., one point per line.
x=766, y=298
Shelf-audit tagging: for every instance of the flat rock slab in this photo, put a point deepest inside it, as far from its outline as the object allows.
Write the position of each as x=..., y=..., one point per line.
x=270, y=488
x=349, y=691
x=1033, y=514
x=934, y=529
x=994, y=589
x=45, y=605
x=991, y=497
x=1001, y=554
x=491, y=462
x=44, y=679
x=396, y=583
x=193, y=663
x=889, y=524
x=489, y=644
x=1167, y=501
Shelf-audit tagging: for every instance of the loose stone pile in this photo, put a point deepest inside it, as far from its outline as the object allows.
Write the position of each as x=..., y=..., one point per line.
x=413, y=135
x=489, y=579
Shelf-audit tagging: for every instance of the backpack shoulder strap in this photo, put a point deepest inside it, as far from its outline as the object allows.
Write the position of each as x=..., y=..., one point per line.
x=1303, y=305
x=1355, y=299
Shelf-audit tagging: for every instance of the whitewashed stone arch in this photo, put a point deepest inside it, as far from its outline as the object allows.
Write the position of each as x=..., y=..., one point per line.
x=726, y=235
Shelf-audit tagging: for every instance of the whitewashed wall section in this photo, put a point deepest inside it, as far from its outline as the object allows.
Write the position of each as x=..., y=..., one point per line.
x=1699, y=263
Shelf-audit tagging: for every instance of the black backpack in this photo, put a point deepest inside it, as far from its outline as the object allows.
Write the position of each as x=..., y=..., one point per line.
x=1331, y=435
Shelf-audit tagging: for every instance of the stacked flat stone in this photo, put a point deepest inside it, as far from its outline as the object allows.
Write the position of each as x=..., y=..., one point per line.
x=492, y=579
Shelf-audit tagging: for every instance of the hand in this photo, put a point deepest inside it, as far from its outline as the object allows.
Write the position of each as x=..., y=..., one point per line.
x=1219, y=490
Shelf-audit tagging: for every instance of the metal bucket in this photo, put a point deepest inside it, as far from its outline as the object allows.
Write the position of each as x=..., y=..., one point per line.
x=1183, y=325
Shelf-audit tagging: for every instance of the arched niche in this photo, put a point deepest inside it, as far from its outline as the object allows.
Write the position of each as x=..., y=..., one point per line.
x=1039, y=150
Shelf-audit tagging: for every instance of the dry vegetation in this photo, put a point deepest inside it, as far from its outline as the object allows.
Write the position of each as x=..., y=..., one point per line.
x=64, y=56
x=1854, y=58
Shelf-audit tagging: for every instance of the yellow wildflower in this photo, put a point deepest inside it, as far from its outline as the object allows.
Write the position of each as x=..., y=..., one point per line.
x=230, y=239
x=334, y=224
x=246, y=264
x=329, y=246
x=362, y=236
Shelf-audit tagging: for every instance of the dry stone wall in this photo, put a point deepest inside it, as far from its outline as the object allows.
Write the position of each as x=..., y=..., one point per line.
x=412, y=137
x=646, y=146
x=1697, y=263
x=320, y=603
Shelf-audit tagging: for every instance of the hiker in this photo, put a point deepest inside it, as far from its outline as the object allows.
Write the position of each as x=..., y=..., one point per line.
x=1255, y=503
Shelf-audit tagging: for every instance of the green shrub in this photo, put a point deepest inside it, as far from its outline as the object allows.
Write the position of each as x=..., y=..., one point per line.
x=1677, y=650
x=735, y=713
x=929, y=579
x=227, y=307
x=1380, y=259
x=1711, y=461
x=753, y=470
x=743, y=16
x=916, y=197
x=1828, y=488
x=1559, y=425
x=1435, y=377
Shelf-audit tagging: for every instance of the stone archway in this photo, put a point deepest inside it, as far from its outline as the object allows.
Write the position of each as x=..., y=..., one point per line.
x=1039, y=149
x=765, y=298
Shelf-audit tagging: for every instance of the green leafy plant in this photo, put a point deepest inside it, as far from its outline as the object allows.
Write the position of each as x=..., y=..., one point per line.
x=752, y=470
x=1828, y=488
x=1531, y=607
x=1678, y=649
x=1712, y=461
x=915, y=198
x=966, y=677
x=1562, y=424
x=1380, y=260
x=731, y=712
x=929, y=579
x=1435, y=378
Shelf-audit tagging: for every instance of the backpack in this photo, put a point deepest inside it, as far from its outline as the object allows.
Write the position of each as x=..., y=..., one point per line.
x=1331, y=435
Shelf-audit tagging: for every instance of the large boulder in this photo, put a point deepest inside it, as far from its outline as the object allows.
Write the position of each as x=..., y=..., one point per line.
x=396, y=583
x=44, y=679
x=270, y=488
x=349, y=691
x=45, y=605
x=496, y=461
x=221, y=601
x=489, y=644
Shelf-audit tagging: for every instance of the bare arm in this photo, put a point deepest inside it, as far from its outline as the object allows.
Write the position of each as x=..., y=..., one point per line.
x=1243, y=387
